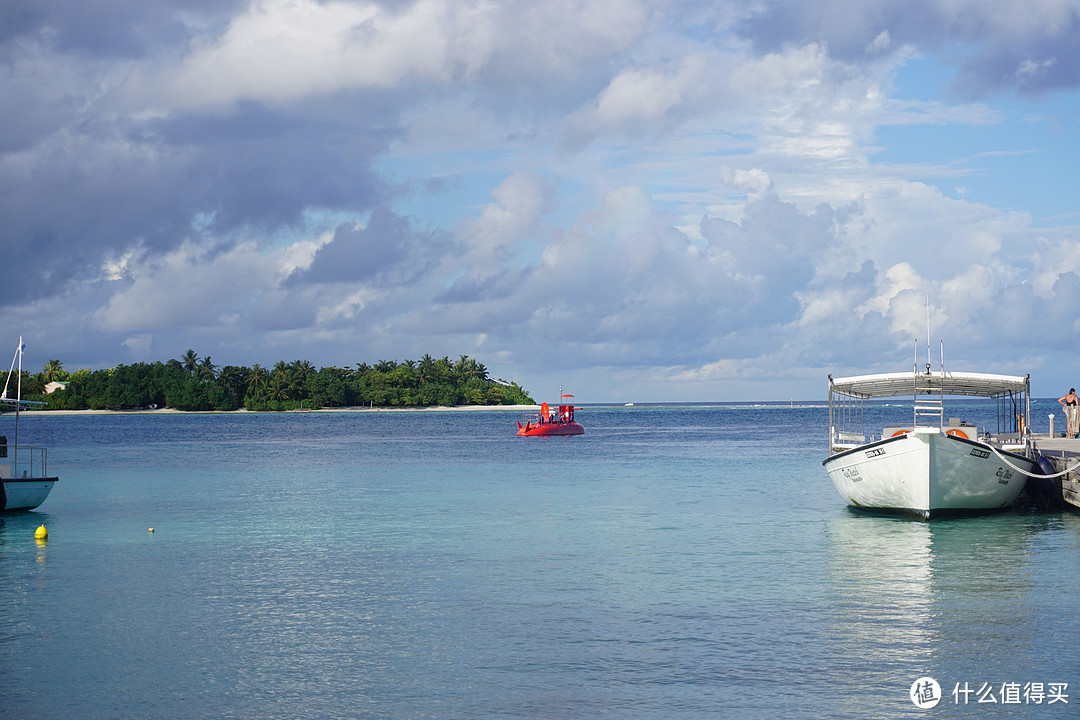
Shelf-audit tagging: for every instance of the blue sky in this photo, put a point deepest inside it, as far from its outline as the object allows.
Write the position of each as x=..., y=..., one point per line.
x=635, y=201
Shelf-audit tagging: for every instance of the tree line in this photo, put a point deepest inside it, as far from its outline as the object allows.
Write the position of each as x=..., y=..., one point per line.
x=194, y=383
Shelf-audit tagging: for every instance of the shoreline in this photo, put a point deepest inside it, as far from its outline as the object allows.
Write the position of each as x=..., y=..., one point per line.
x=245, y=411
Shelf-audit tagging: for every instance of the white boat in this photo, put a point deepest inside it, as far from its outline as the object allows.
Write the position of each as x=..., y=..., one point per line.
x=24, y=477
x=930, y=467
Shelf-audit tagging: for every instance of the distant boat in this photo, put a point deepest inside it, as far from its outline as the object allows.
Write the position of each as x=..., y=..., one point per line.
x=629, y=405
x=24, y=478
x=930, y=467
x=547, y=423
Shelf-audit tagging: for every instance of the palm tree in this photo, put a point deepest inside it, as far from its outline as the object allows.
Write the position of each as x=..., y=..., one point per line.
x=53, y=370
x=278, y=388
x=283, y=380
x=467, y=369
x=444, y=368
x=207, y=369
x=233, y=380
x=190, y=361
x=35, y=384
x=303, y=370
x=425, y=369
x=256, y=384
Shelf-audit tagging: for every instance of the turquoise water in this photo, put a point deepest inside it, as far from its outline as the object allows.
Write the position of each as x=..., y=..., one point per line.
x=679, y=562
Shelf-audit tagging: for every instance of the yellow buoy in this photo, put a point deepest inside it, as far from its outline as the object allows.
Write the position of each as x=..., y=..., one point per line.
x=151, y=530
x=41, y=533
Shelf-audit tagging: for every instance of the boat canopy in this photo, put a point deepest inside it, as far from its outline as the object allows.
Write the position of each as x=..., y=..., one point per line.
x=937, y=382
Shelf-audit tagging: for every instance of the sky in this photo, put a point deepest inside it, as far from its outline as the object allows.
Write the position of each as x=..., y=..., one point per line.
x=633, y=201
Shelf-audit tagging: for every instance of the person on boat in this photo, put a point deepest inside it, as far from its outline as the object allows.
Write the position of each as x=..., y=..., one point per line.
x=1069, y=403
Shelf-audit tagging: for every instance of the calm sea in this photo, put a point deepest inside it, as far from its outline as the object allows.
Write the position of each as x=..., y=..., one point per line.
x=673, y=562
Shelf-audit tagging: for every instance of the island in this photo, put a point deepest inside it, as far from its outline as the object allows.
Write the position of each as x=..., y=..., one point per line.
x=192, y=383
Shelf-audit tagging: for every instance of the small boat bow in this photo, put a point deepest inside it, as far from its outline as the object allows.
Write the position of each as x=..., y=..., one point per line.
x=24, y=478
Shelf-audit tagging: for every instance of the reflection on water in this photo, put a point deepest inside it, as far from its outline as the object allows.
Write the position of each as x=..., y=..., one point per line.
x=881, y=625
x=18, y=528
x=959, y=600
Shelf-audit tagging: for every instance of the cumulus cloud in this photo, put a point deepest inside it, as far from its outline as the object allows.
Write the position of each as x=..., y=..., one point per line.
x=386, y=249
x=520, y=203
x=754, y=182
x=641, y=99
x=996, y=45
x=683, y=196
x=284, y=50
x=192, y=285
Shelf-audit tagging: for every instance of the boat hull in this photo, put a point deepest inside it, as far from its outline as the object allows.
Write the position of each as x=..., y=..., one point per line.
x=26, y=493
x=551, y=429
x=927, y=473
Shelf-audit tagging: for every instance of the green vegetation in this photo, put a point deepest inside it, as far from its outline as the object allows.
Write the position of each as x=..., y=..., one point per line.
x=193, y=384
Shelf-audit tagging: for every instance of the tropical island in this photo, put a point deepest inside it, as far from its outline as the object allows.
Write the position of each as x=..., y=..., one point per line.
x=194, y=384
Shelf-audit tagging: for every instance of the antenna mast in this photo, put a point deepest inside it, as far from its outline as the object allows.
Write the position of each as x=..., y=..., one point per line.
x=928, y=333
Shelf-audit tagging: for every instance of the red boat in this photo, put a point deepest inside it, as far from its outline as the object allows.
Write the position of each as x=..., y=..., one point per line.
x=547, y=423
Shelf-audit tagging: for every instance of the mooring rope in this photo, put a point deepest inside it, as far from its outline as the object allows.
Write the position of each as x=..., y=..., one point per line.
x=1030, y=474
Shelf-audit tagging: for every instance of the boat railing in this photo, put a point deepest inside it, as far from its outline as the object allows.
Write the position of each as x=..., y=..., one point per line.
x=23, y=461
x=841, y=440
x=533, y=419
x=551, y=418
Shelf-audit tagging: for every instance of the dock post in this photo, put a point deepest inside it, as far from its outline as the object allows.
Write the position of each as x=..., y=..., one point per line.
x=1051, y=424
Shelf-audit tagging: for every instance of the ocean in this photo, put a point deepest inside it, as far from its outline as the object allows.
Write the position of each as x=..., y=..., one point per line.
x=673, y=562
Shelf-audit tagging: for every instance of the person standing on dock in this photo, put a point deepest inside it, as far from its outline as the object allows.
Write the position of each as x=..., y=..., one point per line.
x=1069, y=403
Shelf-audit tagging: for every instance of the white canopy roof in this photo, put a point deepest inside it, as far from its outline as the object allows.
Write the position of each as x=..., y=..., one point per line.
x=948, y=383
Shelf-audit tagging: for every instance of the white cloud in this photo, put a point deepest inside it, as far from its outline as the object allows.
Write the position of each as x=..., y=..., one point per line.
x=647, y=95
x=1029, y=70
x=280, y=51
x=673, y=191
x=521, y=202
x=284, y=50
x=980, y=37
x=193, y=285
x=755, y=181
x=141, y=347
x=879, y=43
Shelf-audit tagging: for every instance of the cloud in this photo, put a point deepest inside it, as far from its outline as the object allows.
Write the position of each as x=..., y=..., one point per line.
x=497, y=246
x=754, y=182
x=385, y=250
x=195, y=285
x=284, y=50
x=94, y=190
x=996, y=45
x=690, y=198
x=641, y=98
x=521, y=202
